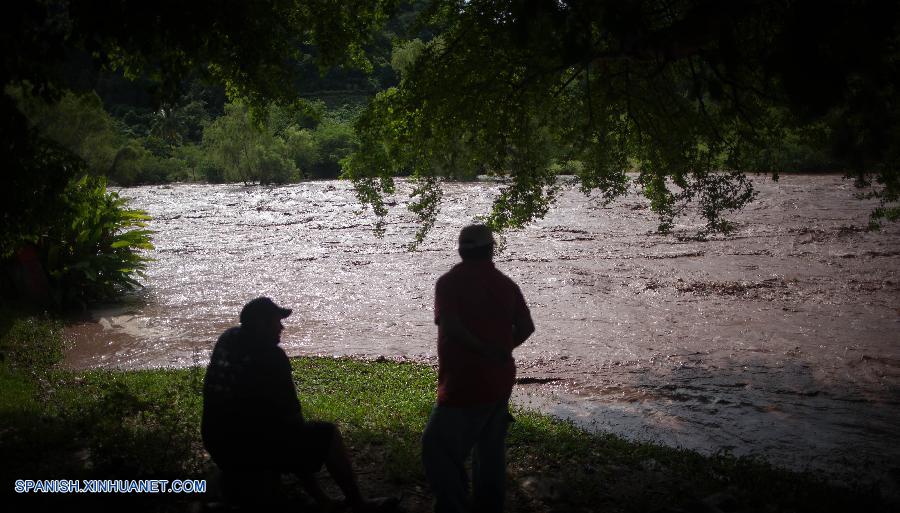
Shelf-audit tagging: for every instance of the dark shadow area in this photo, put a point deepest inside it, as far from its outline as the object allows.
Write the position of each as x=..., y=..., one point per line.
x=146, y=425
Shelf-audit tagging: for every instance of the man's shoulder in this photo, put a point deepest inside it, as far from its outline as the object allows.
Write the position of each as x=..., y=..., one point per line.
x=463, y=272
x=457, y=268
x=232, y=332
x=502, y=277
x=451, y=275
x=230, y=336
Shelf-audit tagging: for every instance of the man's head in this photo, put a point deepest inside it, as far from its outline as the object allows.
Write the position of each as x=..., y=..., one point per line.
x=476, y=242
x=263, y=317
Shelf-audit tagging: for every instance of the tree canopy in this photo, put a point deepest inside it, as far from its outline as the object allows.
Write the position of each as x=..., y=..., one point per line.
x=55, y=130
x=253, y=48
x=684, y=92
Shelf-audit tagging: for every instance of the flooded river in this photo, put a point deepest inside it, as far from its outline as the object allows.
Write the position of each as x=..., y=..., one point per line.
x=782, y=340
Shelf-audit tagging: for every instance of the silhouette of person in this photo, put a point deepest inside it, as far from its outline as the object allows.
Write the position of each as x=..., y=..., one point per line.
x=253, y=421
x=481, y=317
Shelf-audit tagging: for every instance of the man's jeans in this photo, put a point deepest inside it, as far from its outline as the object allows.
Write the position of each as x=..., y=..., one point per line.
x=449, y=438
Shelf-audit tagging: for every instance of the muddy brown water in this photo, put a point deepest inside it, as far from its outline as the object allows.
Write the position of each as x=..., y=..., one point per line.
x=780, y=341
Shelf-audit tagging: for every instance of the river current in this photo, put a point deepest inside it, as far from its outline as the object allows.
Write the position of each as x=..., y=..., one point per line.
x=781, y=340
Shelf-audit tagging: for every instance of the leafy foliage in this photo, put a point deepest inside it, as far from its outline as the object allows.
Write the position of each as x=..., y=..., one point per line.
x=247, y=46
x=290, y=144
x=329, y=143
x=89, y=242
x=32, y=198
x=77, y=122
x=245, y=151
x=685, y=93
x=95, y=252
x=135, y=164
x=251, y=49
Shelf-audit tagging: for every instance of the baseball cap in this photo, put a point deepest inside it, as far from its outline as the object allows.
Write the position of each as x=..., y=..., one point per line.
x=261, y=308
x=475, y=236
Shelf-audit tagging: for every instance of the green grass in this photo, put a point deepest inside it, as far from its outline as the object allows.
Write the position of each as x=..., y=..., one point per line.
x=145, y=424
x=381, y=406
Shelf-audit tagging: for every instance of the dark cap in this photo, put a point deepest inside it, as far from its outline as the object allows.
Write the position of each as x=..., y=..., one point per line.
x=475, y=236
x=262, y=308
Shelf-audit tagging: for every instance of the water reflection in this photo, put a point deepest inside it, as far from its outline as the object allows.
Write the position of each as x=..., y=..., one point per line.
x=779, y=341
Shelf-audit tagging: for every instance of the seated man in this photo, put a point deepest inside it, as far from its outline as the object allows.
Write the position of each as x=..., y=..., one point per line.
x=252, y=419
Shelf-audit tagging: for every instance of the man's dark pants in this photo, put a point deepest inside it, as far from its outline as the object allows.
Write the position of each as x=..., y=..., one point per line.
x=450, y=436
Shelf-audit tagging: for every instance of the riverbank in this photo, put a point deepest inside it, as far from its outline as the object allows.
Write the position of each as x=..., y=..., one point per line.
x=105, y=424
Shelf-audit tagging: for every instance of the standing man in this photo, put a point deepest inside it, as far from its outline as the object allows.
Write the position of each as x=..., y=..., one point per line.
x=481, y=317
x=252, y=419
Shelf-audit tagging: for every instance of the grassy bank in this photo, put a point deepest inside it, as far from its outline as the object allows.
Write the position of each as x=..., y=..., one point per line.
x=145, y=424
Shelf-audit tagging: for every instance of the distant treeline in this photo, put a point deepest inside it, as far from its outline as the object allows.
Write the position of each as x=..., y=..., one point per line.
x=204, y=138
x=124, y=132
x=193, y=142
x=120, y=129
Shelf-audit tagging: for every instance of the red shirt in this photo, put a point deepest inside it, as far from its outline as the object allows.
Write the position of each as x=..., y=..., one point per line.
x=488, y=304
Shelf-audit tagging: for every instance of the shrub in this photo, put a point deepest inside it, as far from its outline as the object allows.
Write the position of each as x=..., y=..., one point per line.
x=134, y=164
x=302, y=148
x=335, y=140
x=194, y=163
x=273, y=166
x=317, y=153
x=246, y=152
x=94, y=251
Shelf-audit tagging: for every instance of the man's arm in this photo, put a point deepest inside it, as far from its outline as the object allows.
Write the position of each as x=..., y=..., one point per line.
x=277, y=390
x=522, y=330
x=523, y=326
x=454, y=329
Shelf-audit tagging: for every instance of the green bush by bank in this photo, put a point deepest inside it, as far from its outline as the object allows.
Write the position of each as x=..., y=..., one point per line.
x=145, y=424
x=91, y=249
x=97, y=251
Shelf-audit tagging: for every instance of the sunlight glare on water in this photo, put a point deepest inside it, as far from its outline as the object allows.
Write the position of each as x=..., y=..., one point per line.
x=780, y=340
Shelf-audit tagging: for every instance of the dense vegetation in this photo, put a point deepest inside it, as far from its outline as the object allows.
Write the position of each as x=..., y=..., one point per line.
x=134, y=127
x=189, y=142
x=145, y=425
x=689, y=94
x=165, y=94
